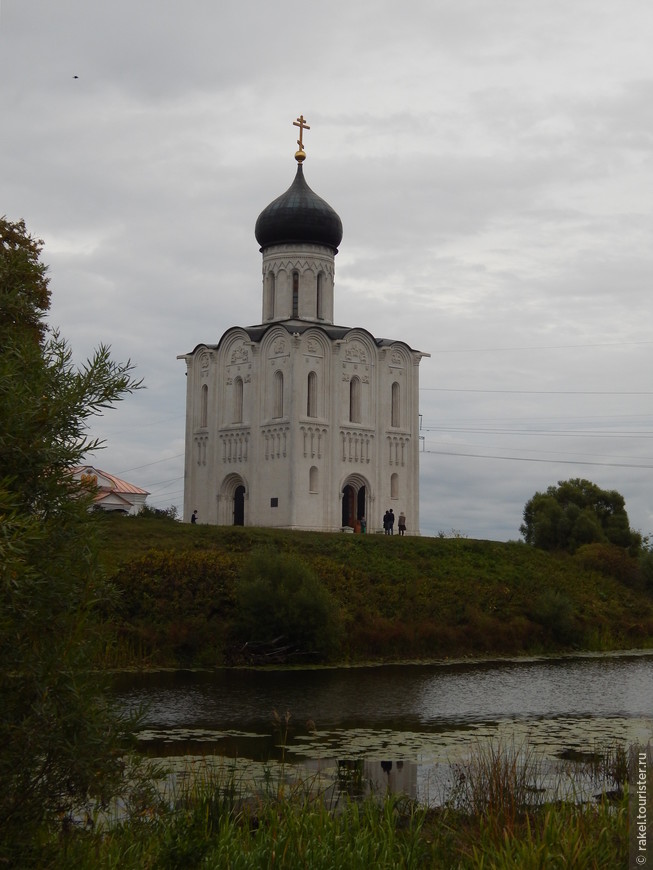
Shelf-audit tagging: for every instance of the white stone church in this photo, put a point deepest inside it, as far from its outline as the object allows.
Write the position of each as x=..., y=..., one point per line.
x=298, y=423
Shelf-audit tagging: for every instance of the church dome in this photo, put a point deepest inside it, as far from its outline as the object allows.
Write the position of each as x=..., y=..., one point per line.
x=299, y=215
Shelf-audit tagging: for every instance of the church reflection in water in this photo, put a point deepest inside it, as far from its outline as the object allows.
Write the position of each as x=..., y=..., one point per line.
x=359, y=777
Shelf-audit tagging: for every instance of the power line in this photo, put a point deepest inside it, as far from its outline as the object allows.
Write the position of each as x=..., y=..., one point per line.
x=568, y=418
x=164, y=496
x=542, y=392
x=534, y=459
x=147, y=464
x=540, y=347
x=541, y=433
x=540, y=450
x=168, y=482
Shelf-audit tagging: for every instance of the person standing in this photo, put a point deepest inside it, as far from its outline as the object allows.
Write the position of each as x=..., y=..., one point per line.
x=391, y=521
x=386, y=523
x=402, y=523
x=193, y=519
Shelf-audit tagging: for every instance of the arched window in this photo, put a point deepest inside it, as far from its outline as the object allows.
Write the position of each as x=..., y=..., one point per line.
x=394, y=486
x=396, y=413
x=204, y=407
x=319, y=302
x=311, y=397
x=271, y=295
x=313, y=479
x=238, y=401
x=355, y=399
x=295, y=294
x=277, y=407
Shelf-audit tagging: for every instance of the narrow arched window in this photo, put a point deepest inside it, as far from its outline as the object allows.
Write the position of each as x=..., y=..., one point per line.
x=319, y=301
x=313, y=479
x=355, y=399
x=394, y=486
x=311, y=396
x=238, y=401
x=204, y=407
x=277, y=410
x=395, y=414
x=271, y=295
x=295, y=294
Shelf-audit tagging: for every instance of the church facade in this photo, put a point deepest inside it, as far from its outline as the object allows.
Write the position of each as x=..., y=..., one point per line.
x=296, y=422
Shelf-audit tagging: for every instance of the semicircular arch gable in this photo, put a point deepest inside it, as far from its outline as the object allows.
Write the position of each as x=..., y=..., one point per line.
x=236, y=347
x=399, y=354
x=316, y=342
x=275, y=342
x=356, y=339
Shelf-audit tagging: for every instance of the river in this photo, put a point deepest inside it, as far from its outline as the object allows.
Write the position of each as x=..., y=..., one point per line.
x=401, y=722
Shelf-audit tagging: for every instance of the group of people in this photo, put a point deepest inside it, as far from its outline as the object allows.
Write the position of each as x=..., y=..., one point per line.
x=389, y=523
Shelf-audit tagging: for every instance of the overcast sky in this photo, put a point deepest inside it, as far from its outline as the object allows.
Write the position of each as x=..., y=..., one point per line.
x=491, y=163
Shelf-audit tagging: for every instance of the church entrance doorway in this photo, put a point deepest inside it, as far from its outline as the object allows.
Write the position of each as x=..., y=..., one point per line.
x=354, y=504
x=239, y=506
x=348, y=499
x=232, y=501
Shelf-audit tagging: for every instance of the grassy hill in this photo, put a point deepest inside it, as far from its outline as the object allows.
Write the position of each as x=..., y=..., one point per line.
x=396, y=598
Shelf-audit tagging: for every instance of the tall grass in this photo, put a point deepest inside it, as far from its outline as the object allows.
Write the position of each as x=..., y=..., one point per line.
x=499, y=792
x=556, y=838
x=498, y=783
x=491, y=820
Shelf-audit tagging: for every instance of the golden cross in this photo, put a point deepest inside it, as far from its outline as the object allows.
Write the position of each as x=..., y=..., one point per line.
x=301, y=123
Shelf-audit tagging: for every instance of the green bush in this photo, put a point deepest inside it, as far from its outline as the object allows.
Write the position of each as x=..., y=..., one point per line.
x=279, y=597
x=147, y=511
x=611, y=561
x=174, y=606
x=554, y=611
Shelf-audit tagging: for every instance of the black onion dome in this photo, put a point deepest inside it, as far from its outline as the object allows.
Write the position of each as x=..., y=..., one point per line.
x=298, y=215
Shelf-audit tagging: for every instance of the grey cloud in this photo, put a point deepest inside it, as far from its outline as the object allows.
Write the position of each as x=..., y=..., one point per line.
x=491, y=166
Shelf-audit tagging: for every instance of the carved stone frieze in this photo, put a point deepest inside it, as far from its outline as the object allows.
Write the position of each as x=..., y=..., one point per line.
x=279, y=346
x=240, y=354
x=355, y=352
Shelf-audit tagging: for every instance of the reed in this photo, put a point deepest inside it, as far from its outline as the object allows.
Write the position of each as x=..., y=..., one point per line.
x=490, y=820
x=498, y=783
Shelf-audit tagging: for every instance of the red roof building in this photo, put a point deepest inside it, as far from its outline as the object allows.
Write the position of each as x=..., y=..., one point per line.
x=113, y=494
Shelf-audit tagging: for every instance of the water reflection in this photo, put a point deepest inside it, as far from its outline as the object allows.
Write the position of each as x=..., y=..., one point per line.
x=602, y=686
x=406, y=697
x=397, y=727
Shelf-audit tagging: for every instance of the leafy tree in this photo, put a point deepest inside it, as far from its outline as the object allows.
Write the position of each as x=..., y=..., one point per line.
x=577, y=512
x=60, y=741
x=23, y=281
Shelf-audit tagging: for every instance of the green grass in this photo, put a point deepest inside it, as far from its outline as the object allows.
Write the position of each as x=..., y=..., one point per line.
x=210, y=825
x=397, y=598
x=387, y=836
